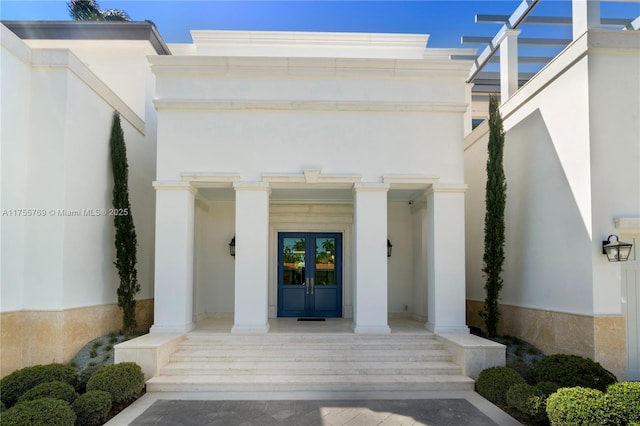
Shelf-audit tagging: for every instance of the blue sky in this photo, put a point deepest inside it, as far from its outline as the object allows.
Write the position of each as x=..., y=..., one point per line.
x=445, y=20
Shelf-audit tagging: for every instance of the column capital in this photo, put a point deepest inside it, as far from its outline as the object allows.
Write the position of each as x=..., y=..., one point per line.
x=440, y=188
x=173, y=185
x=510, y=33
x=371, y=187
x=252, y=186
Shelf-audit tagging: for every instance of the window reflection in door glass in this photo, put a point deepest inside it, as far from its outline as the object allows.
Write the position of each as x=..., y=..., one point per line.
x=325, y=261
x=293, y=252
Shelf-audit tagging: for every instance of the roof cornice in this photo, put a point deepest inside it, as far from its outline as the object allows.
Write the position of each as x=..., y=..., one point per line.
x=90, y=30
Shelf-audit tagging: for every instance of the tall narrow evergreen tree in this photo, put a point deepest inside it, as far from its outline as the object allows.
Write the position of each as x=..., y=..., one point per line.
x=494, y=229
x=126, y=239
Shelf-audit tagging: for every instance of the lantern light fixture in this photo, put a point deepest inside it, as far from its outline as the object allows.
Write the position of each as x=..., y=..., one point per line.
x=389, y=247
x=232, y=246
x=616, y=251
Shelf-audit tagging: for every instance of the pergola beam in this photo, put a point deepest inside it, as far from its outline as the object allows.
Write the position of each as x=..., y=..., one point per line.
x=496, y=59
x=531, y=41
x=633, y=25
x=548, y=20
x=523, y=10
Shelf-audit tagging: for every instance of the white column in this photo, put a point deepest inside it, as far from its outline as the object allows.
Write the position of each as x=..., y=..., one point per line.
x=173, y=292
x=585, y=15
x=252, y=258
x=445, y=270
x=370, y=248
x=508, y=64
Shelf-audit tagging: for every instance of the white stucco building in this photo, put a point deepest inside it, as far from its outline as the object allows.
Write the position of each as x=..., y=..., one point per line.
x=314, y=152
x=288, y=138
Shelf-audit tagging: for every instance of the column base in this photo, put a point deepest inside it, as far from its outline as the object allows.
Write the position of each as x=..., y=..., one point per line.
x=447, y=329
x=172, y=328
x=371, y=329
x=250, y=329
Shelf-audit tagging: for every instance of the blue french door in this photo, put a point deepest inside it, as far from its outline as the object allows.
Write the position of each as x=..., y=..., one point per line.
x=309, y=274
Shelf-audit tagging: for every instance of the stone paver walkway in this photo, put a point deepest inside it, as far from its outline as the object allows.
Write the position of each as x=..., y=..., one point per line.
x=431, y=412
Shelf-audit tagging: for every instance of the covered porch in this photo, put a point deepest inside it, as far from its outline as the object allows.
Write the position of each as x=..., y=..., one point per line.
x=198, y=216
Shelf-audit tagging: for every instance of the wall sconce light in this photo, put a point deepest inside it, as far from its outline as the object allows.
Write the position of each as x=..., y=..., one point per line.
x=232, y=247
x=389, y=247
x=616, y=251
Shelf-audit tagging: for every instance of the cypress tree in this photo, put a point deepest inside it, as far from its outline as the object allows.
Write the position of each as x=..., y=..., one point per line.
x=125, y=238
x=494, y=228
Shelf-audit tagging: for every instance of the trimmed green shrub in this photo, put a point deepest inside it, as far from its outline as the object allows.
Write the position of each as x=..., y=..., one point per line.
x=2, y=407
x=493, y=383
x=57, y=390
x=573, y=406
x=527, y=400
x=84, y=376
x=547, y=387
x=573, y=371
x=41, y=412
x=92, y=408
x=20, y=381
x=625, y=399
x=123, y=381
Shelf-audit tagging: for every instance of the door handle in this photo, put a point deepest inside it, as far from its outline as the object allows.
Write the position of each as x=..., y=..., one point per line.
x=312, y=284
x=306, y=285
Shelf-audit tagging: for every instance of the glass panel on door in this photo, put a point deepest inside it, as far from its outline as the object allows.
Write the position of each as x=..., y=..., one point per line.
x=293, y=253
x=309, y=274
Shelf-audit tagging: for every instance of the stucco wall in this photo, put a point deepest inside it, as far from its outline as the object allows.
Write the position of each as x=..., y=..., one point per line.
x=288, y=114
x=571, y=163
x=560, y=201
x=56, y=124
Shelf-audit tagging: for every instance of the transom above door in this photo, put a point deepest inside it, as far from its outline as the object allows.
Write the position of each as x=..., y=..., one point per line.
x=309, y=274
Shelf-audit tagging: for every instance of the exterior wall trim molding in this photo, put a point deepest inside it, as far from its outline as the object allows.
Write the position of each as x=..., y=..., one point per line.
x=408, y=181
x=423, y=69
x=174, y=186
x=442, y=188
x=628, y=224
x=210, y=180
x=252, y=186
x=64, y=58
x=371, y=187
x=14, y=45
x=314, y=105
x=311, y=177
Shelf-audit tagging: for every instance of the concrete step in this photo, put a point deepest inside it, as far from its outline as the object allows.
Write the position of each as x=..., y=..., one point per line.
x=295, y=355
x=270, y=383
x=308, y=338
x=312, y=362
x=280, y=368
x=215, y=346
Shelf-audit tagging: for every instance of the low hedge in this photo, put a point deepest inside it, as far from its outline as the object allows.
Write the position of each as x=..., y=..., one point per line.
x=123, y=381
x=57, y=390
x=40, y=412
x=625, y=399
x=493, y=383
x=573, y=406
x=528, y=400
x=20, y=381
x=85, y=375
x=573, y=371
x=92, y=408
